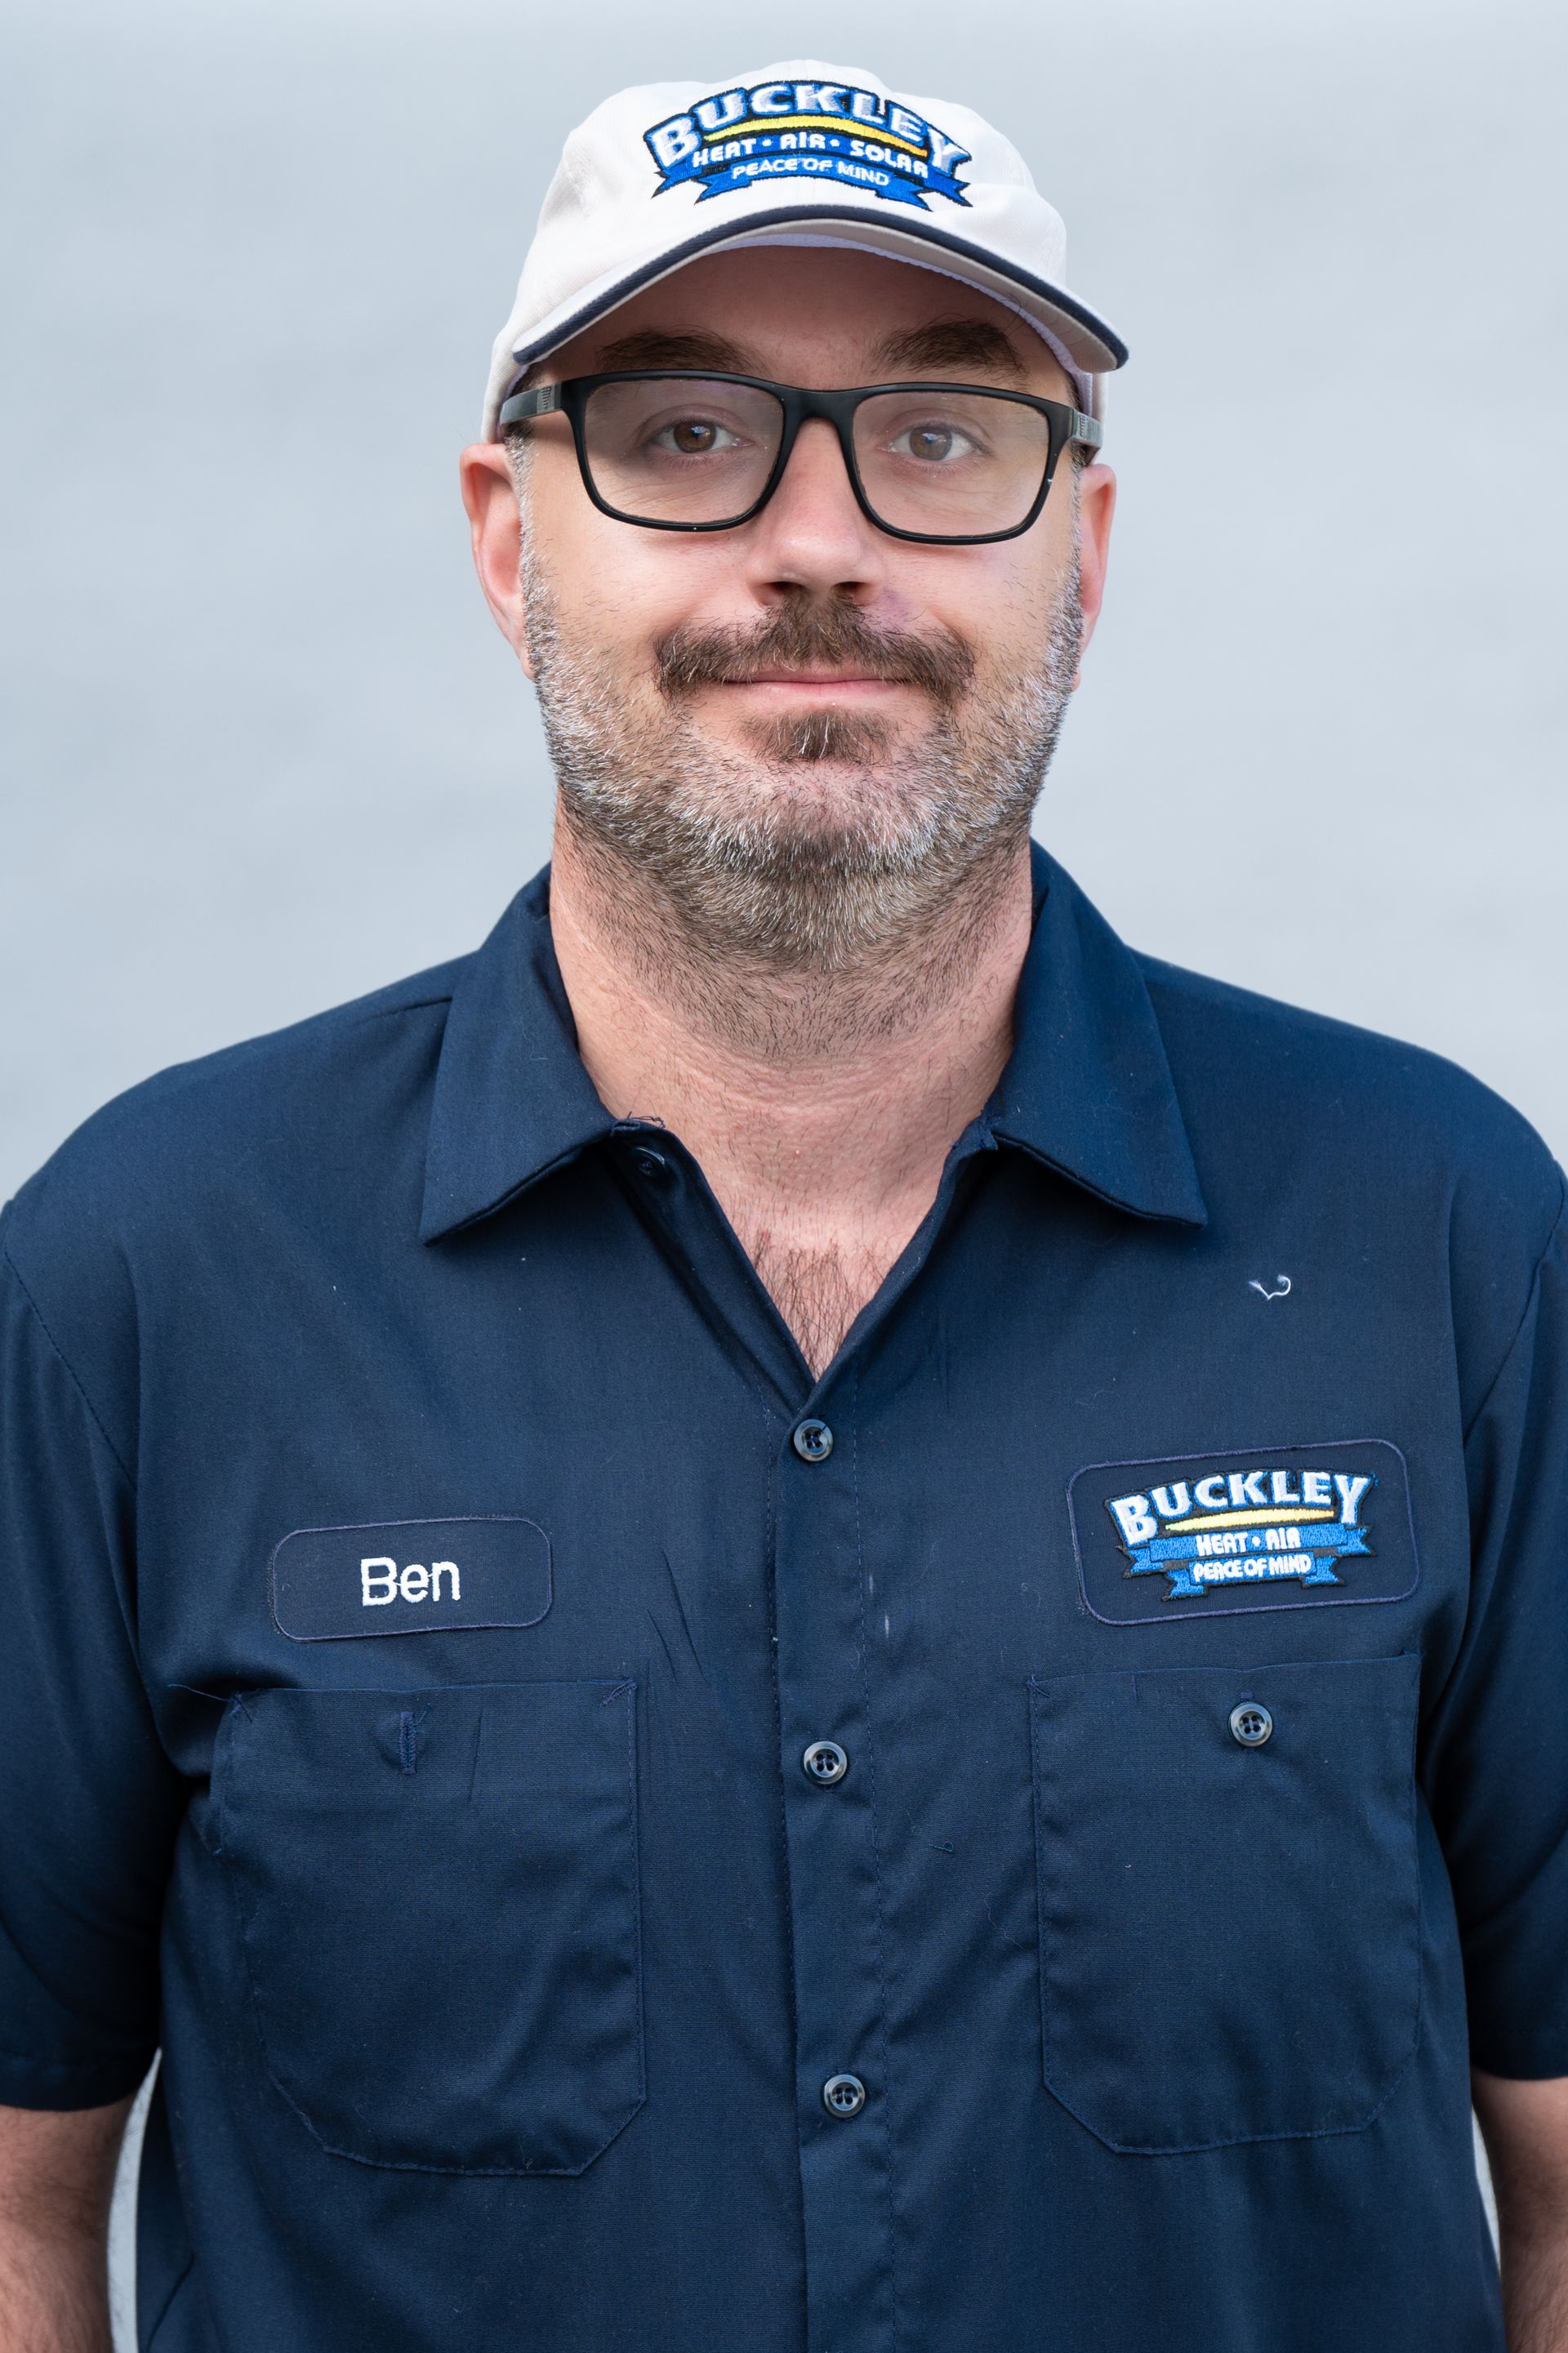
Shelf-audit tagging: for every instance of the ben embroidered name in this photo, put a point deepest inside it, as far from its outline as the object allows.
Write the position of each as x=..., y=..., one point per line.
x=381, y=1580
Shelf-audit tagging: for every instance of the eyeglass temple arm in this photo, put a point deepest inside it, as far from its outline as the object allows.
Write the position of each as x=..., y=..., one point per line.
x=545, y=399
x=540, y=402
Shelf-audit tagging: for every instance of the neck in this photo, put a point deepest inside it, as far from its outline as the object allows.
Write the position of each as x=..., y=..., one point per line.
x=820, y=1107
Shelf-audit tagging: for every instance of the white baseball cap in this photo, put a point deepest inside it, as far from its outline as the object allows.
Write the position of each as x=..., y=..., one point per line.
x=798, y=153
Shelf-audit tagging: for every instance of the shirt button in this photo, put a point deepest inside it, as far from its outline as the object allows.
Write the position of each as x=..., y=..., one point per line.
x=825, y=1762
x=812, y=1442
x=844, y=2096
x=1250, y=1723
x=650, y=1164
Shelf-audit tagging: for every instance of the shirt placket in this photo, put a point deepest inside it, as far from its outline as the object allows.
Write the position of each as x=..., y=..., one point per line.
x=828, y=1764
x=837, y=1808
x=828, y=1706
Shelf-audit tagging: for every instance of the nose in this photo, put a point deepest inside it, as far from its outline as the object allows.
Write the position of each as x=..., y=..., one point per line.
x=812, y=536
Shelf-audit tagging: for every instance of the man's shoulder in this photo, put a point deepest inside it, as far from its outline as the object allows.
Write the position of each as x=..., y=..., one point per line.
x=1390, y=1113
x=182, y=1148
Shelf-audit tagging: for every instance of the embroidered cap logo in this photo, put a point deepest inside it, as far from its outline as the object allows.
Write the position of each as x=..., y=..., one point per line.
x=820, y=131
x=1243, y=1528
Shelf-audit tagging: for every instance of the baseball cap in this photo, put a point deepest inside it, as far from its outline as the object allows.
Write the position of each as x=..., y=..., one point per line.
x=797, y=154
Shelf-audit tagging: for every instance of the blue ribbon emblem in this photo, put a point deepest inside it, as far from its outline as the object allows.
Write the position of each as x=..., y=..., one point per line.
x=820, y=133
x=1263, y=1557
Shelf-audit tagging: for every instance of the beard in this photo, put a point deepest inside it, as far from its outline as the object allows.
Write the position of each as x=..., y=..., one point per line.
x=834, y=838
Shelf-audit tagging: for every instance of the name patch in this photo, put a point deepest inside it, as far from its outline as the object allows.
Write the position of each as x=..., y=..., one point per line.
x=409, y=1576
x=1278, y=1528
x=823, y=132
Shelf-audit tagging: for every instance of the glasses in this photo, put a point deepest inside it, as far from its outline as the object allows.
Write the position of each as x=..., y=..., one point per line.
x=669, y=449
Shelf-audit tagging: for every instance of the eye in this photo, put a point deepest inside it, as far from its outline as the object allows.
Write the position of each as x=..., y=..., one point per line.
x=933, y=443
x=694, y=437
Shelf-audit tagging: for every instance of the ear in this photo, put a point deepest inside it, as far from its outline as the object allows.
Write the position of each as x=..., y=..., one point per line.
x=1096, y=508
x=489, y=495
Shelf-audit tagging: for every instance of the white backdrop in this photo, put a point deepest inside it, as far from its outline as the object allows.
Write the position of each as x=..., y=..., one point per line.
x=264, y=749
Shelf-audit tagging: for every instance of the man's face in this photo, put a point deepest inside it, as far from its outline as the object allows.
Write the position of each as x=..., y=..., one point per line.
x=807, y=732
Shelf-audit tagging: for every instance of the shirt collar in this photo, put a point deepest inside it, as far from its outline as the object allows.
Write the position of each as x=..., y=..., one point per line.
x=512, y=1099
x=1088, y=1089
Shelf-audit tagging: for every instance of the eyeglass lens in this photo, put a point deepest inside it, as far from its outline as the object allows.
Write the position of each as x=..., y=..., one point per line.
x=687, y=450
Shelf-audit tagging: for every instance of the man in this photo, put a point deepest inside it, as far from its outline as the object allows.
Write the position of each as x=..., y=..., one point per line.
x=686, y=1608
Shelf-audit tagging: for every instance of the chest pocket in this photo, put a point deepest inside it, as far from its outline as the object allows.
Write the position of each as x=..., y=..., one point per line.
x=438, y=1896
x=1228, y=1917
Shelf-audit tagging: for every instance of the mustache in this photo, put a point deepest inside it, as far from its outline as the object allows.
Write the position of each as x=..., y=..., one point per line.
x=814, y=636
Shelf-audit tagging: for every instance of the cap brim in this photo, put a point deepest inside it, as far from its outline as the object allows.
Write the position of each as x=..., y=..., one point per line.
x=1089, y=342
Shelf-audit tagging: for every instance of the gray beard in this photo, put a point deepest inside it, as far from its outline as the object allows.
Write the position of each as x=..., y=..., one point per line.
x=750, y=861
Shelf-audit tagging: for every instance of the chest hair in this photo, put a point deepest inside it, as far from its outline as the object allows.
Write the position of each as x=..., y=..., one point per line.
x=819, y=1292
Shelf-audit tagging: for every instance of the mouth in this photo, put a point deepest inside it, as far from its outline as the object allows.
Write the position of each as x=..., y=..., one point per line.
x=821, y=685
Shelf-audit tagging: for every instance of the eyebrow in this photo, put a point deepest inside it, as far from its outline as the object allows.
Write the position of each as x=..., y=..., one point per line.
x=951, y=343
x=944, y=343
x=651, y=347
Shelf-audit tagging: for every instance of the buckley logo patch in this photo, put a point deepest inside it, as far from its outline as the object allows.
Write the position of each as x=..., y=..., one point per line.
x=821, y=131
x=410, y=1577
x=1243, y=1528
x=1260, y=1529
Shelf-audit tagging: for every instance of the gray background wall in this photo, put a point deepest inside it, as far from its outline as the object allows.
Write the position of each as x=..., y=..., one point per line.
x=264, y=749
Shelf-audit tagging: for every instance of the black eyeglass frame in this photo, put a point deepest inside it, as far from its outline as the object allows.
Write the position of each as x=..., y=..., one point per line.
x=799, y=403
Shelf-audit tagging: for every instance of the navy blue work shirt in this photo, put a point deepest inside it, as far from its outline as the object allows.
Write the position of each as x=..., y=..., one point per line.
x=1015, y=1843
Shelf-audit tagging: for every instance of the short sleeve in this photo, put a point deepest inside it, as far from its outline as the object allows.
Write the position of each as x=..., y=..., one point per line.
x=1497, y=1753
x=88, y=1799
